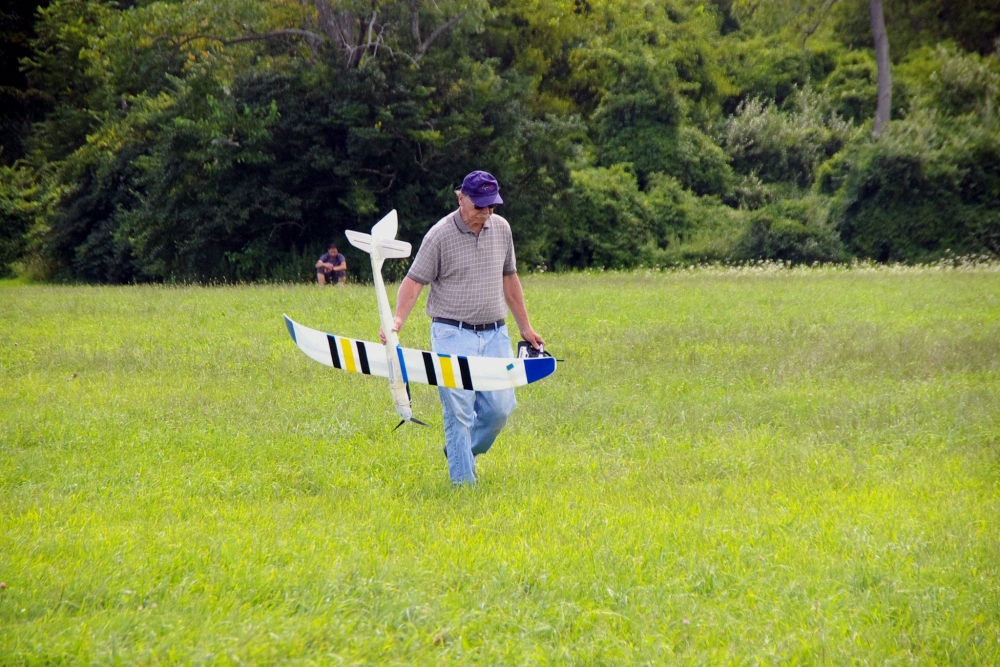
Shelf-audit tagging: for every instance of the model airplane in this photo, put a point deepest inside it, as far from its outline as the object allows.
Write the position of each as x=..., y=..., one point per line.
x=401, y=365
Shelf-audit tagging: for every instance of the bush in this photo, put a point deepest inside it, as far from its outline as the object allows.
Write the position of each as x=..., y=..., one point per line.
x=643, y=120
x=699, y=164
x=775, y=70
x=685, y=153
x=785, y=146
x=606, y=221
x=241, y=182
x=791, y=231
x=852, y=87
x=931, y=186
x=953, y=83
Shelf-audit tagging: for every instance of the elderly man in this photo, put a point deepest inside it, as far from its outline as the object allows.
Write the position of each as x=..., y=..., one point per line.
x=468, y=260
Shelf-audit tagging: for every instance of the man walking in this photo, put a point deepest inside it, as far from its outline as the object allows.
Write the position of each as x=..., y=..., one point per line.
x=468, y=260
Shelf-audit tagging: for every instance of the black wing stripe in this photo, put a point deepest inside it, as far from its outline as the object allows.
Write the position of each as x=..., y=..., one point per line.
x=363, y=357
x=463, y=365
x=334, y=352
x=429, y=368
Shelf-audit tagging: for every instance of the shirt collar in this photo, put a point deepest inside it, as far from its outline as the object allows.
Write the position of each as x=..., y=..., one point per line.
x=464, y=228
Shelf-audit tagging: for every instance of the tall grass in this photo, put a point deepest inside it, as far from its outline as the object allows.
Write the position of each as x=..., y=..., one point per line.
x=733, y=466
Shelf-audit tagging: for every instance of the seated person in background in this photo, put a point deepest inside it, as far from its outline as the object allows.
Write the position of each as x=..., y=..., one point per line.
x=331, y=269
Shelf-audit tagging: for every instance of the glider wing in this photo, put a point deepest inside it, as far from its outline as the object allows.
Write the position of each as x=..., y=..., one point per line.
x=475, y=373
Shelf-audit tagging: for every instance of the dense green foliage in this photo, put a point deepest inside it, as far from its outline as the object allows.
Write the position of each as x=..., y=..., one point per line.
x=933, y=183
x=19, y=103
x=232, y=140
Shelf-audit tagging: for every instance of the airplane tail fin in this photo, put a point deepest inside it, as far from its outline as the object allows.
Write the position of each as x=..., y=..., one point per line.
x=387, y=226
x=383, y=235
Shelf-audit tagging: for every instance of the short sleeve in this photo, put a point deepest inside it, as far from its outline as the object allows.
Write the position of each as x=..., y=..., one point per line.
x=426, y=264
x=509, y=262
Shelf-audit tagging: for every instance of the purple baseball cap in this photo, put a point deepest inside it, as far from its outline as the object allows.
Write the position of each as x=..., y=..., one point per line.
x=482, y=189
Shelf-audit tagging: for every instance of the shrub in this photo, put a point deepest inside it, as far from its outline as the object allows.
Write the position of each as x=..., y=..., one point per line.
x=775, y=70
x=750, y=193
x=606, y=221
x=791, y=231
x=930, y=186
x=852, y=87
x=685, y=153
x=606, y=218
x=27, y=199
x=699, y=164
x=961, y=84
x=643, y=120
x=785, y=146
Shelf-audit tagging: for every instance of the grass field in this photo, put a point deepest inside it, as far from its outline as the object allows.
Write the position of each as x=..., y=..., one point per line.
x=733, y=467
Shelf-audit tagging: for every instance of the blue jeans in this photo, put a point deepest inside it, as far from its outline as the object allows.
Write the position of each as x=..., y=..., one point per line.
x=472, y=419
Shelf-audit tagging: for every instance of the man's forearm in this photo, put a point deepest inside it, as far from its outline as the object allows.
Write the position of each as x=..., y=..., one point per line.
x=409, y=291
x=514, y=296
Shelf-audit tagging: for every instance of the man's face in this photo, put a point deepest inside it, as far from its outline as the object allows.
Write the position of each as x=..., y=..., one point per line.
x=332, y=251
x=470, y=213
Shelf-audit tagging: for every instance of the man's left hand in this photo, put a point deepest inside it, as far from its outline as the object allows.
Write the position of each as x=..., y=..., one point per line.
x=529, y=335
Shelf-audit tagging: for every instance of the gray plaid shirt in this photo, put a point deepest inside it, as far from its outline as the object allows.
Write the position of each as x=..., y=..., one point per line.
x=465, y=272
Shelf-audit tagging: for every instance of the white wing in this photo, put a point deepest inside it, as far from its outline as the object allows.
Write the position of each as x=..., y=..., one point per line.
x=476, y=373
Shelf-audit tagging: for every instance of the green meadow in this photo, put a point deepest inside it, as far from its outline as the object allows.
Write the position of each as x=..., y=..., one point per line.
x=753, y=466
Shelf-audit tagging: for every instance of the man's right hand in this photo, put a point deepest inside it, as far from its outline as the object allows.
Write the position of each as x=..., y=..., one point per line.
x=397, y=326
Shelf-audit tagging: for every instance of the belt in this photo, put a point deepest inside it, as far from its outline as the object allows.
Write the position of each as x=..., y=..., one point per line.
x=466, y=325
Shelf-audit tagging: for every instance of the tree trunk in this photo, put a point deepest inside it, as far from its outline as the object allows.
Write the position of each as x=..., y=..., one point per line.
x=882, y=60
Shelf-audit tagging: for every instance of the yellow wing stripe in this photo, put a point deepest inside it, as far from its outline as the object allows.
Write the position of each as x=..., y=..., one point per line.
x=447, y=373
x=349, y=363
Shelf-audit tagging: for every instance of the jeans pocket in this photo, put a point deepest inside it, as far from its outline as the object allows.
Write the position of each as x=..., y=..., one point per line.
x=443, y=332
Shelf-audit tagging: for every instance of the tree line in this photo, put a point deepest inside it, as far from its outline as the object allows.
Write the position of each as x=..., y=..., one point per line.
x=231, y=140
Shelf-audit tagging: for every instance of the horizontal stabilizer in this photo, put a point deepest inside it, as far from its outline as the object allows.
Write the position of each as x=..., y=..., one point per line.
x=394, y=249
x=360, y=241
x=390, y=248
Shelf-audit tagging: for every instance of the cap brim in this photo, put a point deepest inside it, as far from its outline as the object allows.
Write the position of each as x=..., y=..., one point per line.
x=485, y=200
